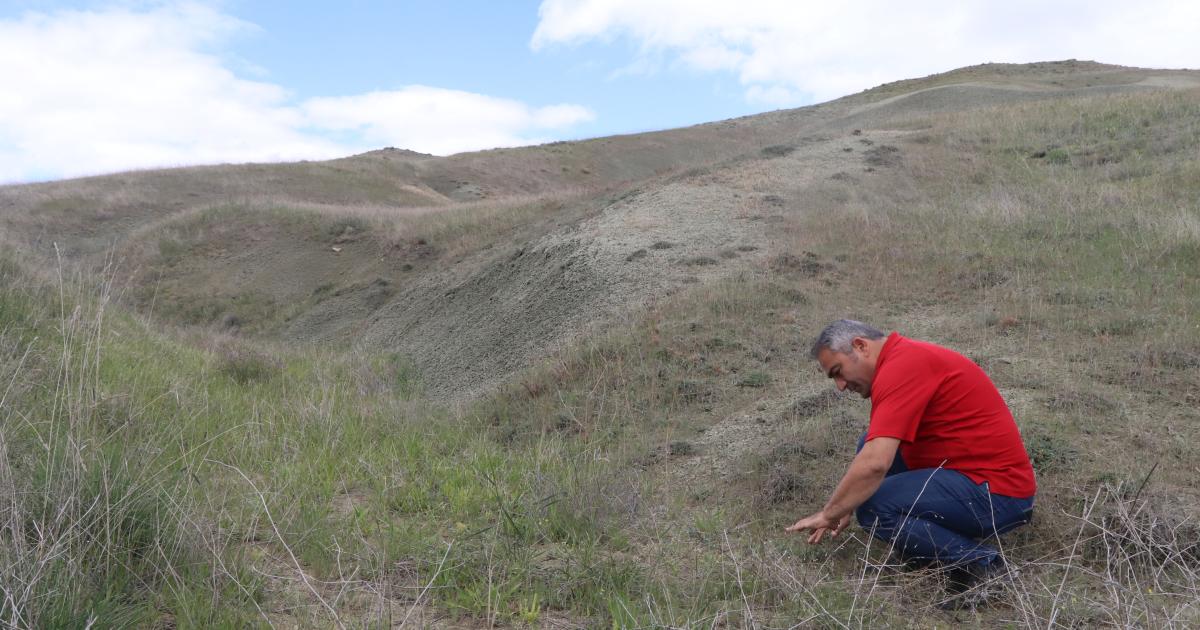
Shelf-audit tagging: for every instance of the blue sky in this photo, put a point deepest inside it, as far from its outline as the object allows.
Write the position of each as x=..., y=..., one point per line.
x=100, y=86
x=481, y=47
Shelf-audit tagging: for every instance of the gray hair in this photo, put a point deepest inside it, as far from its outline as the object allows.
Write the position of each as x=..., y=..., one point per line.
x=838, y=335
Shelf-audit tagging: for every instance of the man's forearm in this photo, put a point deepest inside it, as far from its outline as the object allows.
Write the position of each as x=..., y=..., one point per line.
x=861, y=480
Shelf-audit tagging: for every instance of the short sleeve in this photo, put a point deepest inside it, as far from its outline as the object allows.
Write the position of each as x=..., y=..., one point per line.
x=899, y=399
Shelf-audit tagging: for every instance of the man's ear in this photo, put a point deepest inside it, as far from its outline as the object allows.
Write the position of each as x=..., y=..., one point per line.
x=859, y=344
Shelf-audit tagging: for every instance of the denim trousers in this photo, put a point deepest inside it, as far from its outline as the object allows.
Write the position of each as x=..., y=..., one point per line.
x=939, y=515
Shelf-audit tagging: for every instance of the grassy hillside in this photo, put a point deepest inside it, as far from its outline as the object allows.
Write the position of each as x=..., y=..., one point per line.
x=176, y=451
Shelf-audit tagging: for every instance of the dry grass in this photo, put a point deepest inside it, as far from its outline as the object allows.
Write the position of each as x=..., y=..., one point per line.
x=1059, y=74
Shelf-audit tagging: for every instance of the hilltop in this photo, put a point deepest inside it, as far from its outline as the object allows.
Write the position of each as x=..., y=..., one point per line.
x=567, y=384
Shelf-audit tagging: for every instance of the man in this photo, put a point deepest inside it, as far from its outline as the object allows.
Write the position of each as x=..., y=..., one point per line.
x=942, y=464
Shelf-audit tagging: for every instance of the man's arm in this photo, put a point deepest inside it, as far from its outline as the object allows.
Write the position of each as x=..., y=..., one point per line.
x=861, y=480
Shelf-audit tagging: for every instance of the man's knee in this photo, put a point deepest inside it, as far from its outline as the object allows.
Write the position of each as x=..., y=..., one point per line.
x=885, y=509
x=865, y=516
x=870, y=514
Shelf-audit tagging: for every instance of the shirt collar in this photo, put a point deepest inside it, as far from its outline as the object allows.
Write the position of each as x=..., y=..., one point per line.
x=891, y=342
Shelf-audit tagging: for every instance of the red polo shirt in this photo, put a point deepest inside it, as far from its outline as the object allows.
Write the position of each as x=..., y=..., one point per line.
x=947, y=412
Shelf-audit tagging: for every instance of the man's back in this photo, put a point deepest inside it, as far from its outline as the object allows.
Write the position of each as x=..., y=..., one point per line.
x=946, y=412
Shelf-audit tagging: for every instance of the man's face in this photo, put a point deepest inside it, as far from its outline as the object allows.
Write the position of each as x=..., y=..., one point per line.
x=849, y=370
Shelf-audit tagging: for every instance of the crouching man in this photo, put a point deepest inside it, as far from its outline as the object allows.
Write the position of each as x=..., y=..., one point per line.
x=941, y=467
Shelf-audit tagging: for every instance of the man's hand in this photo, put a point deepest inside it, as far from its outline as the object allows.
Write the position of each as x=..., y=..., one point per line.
x=861, y=480
x=819, y=523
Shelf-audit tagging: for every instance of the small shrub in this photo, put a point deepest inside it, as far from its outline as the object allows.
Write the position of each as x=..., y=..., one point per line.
x=778, y=150
x=755, y=379
x=1050, y=453
x=781, y=485
x=1172, y=358
x=1058, y=156
x=345, y=226
x=404, y=376
x=693, y=391
x=1078, y=401
x=982, y=278
x=681, y=448
x=882, y=155
x=1186, y=256
x=245, y=366
x=1143, y=529
x=693, y=173
x=1119, y=327
x=378, y=293
x=716, y=342
x=808, y=265
x=813, y=405
x=171, y=250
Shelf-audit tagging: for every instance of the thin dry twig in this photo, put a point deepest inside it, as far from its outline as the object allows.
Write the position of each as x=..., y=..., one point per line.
x=295, y=561
x=432, y=578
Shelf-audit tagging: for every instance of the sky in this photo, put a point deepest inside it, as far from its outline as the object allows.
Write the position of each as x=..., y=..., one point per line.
x=91, y=87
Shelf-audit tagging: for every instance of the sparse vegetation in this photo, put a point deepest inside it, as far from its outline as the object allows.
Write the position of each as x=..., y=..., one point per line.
x=640, y=475
x=1057, y=156
x=755, y=379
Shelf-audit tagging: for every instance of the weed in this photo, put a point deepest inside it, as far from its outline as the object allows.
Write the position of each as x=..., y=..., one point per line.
x=882, y=155
x=1079, y=401
x=681, y=448
x=808, y=264
x=755, y=379
x=1050, y=453
x=782, y=485
x=1057, y=156
x=245, y=365
x=346, y=227
x=689, y=391
x=171, y=250
x=778, y=150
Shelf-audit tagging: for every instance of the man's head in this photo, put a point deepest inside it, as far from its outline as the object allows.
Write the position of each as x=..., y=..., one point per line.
x=847, y=351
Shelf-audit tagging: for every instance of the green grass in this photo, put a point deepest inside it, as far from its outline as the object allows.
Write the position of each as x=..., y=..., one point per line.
x=193, y=470
x=218, y=462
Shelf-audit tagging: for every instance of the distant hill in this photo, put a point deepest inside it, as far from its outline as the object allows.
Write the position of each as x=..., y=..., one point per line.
x=477, y=263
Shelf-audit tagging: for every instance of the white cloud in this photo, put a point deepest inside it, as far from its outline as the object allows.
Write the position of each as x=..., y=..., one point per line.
x=439, y=121
x=794, y=51
x=85, y=92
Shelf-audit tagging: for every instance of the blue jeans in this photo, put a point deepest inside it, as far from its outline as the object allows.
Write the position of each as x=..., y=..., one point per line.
x=939, y=515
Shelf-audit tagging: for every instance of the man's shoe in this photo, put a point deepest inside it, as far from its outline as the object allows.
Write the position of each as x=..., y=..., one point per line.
x=975, y=585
